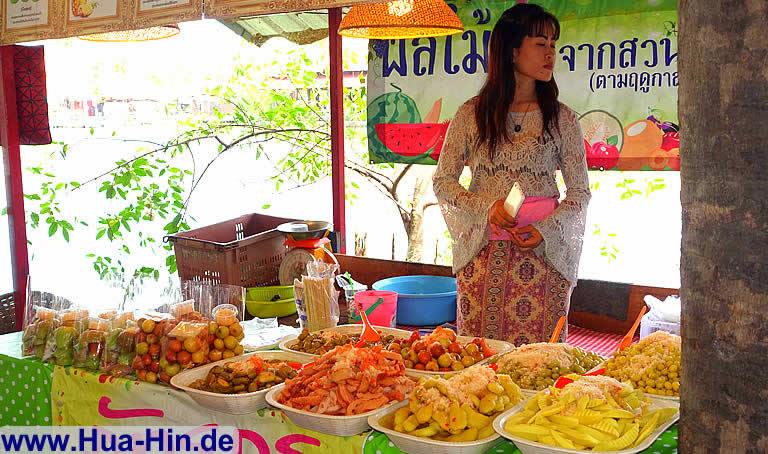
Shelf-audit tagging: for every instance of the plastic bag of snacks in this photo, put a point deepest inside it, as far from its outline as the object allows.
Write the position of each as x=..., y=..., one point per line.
x=183, y=347
x=36, y=331
x=41, y=318
x=185, y=310
x=153, y=326
x=227, y=333
x=59, y=348
x=223, y=305
x=119, y=345
x=89, y=345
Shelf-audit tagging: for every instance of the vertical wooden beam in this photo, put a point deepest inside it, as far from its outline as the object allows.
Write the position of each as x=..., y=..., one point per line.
x=14, y=192
x=336, y=78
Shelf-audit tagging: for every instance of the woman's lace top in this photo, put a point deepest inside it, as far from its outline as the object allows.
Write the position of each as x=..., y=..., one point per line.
x=528, y=159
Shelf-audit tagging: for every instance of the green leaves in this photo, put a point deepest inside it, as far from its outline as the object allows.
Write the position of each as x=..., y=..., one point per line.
x=145, y=195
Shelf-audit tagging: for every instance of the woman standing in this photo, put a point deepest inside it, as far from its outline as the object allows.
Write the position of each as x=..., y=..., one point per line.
x=515, y=274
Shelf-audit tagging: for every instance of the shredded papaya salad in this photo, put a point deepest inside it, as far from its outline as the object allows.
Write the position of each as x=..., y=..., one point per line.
x=348, y=381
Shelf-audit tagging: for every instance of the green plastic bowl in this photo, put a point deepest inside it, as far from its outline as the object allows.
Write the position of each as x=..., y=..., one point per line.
x=258, y=301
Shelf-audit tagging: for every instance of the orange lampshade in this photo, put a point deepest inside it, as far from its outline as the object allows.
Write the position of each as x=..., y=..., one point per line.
x=401, y=19
x=144, y=34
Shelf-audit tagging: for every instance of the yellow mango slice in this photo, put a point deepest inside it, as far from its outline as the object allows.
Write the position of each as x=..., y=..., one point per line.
x=567, y=421
x=580, y=437
x=622, y=442
x=562, y=441
x=607, y=427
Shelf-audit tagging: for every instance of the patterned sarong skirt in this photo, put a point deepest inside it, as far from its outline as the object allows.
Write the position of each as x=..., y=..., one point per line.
x=510, y=294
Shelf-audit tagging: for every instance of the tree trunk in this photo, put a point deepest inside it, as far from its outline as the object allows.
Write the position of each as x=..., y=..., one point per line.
x=723, y=104
x=415, y=228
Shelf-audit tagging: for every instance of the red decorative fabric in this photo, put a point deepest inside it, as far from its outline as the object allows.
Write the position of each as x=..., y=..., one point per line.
x=31, y=95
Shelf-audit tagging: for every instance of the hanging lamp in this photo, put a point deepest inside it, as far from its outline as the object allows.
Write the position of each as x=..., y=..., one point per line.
x=400, y=19
x=144, y=34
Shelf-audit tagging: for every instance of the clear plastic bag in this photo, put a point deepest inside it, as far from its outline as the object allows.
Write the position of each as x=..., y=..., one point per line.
x=223, y=305
x=184, y=347
x=153, y=326
x=88, y=347
x=228, y=333
x=41, y=318
x=36, y=331
x=59, y=348
x=119, y=345
x=317, y=300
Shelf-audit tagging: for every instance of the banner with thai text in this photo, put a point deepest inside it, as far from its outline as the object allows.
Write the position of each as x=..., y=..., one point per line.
x=616, y=65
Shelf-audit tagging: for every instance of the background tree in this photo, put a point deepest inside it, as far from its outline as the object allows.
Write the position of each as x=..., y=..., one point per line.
x=283, y=102
x=723, y=98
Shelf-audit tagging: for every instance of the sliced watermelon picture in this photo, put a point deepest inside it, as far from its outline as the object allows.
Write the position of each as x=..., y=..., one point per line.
x=412, y=139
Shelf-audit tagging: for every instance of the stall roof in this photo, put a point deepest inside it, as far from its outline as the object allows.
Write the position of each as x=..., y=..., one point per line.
x=300, y=27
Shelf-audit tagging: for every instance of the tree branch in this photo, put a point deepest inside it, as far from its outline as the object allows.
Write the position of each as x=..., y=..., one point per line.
x=399, y=179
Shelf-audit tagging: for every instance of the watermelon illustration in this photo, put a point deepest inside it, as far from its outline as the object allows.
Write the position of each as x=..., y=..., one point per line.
x=395, y=107
x=412, y=139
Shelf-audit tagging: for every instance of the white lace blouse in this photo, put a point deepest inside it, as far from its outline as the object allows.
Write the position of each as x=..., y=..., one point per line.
x=527, y=159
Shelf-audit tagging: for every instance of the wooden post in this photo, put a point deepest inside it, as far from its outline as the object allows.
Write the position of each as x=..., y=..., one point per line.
x=14, y=192
x=336, y=79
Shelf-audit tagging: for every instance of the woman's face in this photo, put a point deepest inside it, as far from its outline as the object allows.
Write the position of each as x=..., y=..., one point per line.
x=536, y=57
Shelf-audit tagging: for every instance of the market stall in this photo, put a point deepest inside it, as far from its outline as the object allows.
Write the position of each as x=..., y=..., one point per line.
x=69, y=368
x=35, y=393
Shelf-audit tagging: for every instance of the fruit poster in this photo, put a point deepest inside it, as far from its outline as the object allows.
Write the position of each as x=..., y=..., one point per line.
x=20, y=18
x=615, y=64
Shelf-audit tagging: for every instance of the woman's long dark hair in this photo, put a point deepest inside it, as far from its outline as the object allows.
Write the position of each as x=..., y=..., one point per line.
x=498, y=93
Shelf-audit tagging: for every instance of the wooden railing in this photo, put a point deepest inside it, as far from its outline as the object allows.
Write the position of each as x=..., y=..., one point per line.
x=597, y=305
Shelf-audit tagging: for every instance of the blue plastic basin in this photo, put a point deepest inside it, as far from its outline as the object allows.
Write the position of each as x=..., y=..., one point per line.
x=422, y=300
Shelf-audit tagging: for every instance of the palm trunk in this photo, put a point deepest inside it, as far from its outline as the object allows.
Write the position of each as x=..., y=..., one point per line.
x=723, y=98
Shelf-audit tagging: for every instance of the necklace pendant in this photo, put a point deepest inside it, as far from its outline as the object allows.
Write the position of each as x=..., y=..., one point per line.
x=518, y=128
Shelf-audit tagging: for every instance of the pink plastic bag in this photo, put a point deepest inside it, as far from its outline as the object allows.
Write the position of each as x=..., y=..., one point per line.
x=534, y=209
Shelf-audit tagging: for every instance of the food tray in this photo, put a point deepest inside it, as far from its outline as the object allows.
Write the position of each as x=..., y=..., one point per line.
x=420, y=445
x=501, y=347
x=650, y=395
x=234, y=404
x=287, y=342
x=342, y=426
x=531, y=447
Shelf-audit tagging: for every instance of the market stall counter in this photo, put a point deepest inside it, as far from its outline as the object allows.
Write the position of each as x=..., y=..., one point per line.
x=35, y=393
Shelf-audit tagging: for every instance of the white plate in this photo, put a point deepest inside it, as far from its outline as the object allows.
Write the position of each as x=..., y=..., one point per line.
x=531, y=447
x=343, y=426
x=420, y=445
x=234, y=404
x=501, y=347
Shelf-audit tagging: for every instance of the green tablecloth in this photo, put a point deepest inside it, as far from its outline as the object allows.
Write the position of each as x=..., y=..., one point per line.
x=378, y=443
x=25, y=386
x=25, y=400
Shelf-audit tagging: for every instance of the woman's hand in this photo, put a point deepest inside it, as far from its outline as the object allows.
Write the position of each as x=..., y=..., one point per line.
x=527, y=237
x=499, y=218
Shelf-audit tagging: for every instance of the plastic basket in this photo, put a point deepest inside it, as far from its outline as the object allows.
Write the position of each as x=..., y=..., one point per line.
x=245, y=251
